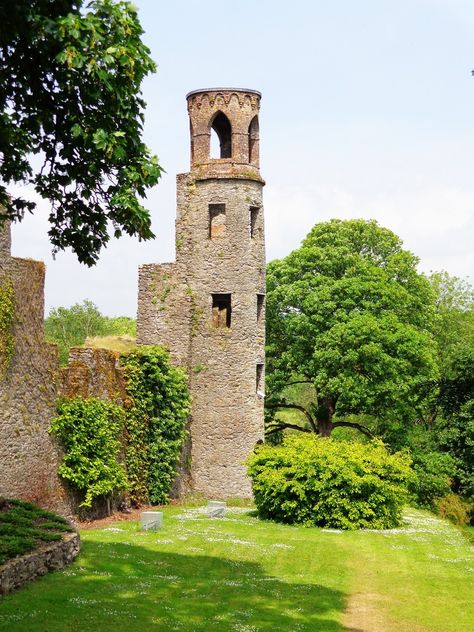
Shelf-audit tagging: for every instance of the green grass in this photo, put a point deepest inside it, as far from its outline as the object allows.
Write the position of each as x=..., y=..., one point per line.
x=242, y=574
x=24, y=526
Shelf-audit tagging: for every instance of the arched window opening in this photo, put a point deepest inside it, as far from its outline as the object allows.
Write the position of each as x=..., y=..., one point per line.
x=221, y=147
x=253, y=140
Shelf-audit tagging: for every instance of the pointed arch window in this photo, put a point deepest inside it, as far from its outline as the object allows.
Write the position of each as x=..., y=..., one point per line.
x=222, y=128
x=253, y=141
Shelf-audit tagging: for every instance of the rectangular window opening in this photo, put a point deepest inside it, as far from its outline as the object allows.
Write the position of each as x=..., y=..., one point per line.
x=260, y=304
x=216, y=220
x=254, y=212
x=259, y=381
x=221, y=310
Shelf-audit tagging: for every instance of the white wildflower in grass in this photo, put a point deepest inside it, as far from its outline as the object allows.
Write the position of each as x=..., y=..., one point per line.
x=243, y=627
x=13, y=617
x=120, y=613
x=82, y=601
x=113, y=529
x=195, y=549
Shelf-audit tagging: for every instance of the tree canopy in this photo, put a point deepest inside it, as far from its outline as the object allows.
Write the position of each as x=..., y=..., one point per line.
x=348, y=314
x=71, y=118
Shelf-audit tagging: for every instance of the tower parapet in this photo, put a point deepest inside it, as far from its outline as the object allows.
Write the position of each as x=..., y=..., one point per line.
x=233, y=115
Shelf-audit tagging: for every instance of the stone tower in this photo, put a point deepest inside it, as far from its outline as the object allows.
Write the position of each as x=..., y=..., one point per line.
x=208, y=308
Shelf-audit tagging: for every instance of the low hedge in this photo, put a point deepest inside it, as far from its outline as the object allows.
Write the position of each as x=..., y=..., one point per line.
x=23, y=527
x=322, y=482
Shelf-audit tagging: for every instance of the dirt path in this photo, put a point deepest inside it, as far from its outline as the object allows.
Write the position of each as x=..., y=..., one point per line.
x=119, y=516
x=364, y=613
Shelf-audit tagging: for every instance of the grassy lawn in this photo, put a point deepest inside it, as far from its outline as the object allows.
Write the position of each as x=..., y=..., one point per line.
x=241, y=574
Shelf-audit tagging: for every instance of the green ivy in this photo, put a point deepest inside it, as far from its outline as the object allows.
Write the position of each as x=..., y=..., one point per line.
x=155, y=422
x=148, y=430
x=7, y=339
x=91, y=431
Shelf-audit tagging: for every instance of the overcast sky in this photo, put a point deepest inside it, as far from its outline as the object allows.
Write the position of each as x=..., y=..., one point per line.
x=367, y=111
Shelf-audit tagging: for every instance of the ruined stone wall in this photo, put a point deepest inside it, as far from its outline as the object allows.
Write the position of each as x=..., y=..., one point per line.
x=164, y=309
x=220, y=256
x=93, y=373
x=28, y=391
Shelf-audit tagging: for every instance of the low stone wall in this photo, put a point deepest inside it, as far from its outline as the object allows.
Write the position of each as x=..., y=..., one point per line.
x=21, y=570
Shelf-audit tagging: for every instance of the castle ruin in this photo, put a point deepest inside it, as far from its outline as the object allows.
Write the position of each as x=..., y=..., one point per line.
x=208, y=308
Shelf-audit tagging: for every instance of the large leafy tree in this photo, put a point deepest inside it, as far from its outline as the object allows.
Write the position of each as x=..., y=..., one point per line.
x=349, y=315
x=71, y=117
x=453, y=408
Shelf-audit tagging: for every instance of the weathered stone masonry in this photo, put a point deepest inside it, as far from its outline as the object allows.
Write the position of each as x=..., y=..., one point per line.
x=28, y=391
x=208, y=307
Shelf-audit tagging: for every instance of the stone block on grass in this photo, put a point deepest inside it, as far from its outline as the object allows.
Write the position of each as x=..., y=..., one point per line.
x=151, y=520
x=216, y=508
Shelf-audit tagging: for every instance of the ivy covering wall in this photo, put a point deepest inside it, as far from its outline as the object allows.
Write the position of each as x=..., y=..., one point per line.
x=7, y=311
x=155, y=422
x=91, y=432
x=134, y=447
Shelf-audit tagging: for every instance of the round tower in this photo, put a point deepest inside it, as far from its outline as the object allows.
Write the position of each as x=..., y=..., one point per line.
x=208, y=308
x=220, y=239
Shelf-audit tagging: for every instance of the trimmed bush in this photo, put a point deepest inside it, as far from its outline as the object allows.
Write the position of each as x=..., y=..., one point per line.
x=327, y=483
x=24, y=526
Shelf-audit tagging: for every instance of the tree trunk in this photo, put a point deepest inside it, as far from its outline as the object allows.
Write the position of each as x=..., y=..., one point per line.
x=325, y=415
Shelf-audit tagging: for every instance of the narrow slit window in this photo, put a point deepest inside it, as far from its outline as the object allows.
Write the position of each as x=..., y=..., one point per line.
x=216, y=220
x=254, y=213
x=259, y=380
x=221, y=310
x=260, y=304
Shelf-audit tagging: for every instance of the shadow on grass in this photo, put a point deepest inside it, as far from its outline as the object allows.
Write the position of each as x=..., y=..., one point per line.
x=120, y=586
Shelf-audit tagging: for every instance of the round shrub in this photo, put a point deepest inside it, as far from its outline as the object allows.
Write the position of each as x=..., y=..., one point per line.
x=326, y=483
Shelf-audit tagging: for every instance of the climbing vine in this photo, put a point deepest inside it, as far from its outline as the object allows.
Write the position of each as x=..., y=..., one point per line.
x=7, y=339
x=91, y=431
x=136, y=446
x=155, y=422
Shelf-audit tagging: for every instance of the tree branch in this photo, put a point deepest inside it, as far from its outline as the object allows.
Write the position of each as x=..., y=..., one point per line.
x=353, y=424
x=295, y=407
x=298, y=382
x=285, y=426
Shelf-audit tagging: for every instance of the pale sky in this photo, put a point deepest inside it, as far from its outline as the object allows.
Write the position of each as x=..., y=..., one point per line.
x=367, y=111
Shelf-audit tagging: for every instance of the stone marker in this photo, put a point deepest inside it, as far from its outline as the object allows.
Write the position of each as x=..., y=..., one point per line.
x=151, y=520
x=216, y=508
